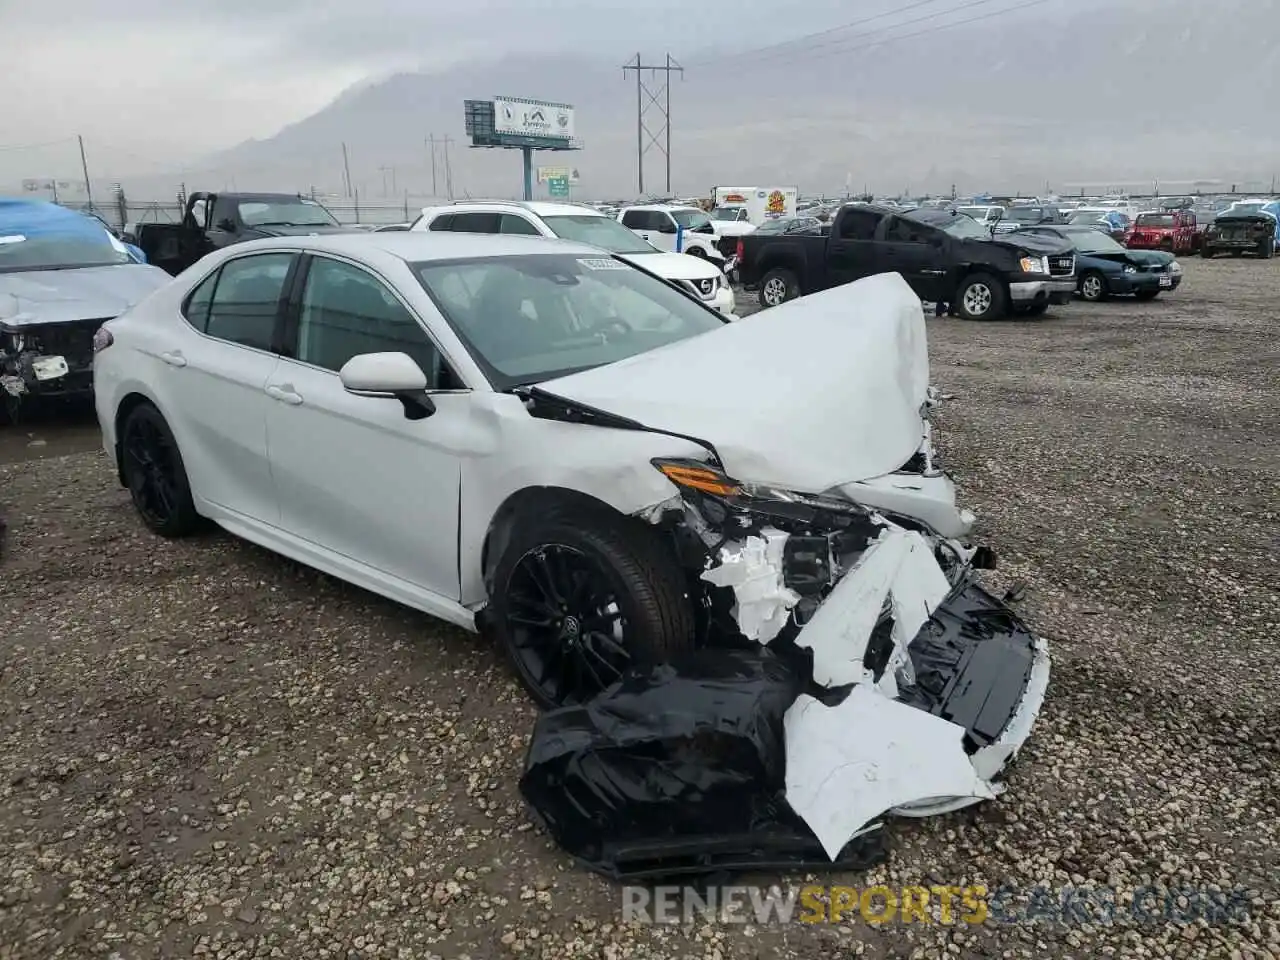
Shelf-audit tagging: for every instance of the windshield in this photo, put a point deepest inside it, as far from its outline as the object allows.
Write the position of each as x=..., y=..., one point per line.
x=1240, y=209
x=599, y=232
x=530, y=318
x=1155, y=220
x=978, y=213
x=285, y=213
x=26, y=249
x=726, y=213
x=1025, y=214
x=690, y=219
x=966, y=228
x=1086, y=216
x=1093, y=241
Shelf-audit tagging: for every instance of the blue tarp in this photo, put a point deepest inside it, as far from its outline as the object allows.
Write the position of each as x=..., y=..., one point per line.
x=39, y=218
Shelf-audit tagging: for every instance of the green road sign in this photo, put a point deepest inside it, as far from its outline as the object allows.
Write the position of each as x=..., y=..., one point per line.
x=558, y=186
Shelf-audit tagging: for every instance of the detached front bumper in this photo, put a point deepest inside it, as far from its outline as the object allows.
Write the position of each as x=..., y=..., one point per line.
x=1056, y=290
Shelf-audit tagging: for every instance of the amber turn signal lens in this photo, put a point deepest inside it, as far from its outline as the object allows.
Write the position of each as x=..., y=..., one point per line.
x=699, y=478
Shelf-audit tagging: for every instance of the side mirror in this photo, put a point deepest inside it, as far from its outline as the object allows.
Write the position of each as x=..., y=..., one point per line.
x=227, y=224
x=389, y=375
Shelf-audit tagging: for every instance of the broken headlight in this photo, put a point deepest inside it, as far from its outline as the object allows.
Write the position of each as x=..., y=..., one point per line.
x=702, y=477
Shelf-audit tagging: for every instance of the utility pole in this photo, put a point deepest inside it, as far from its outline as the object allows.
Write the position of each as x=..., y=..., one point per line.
x=661, y=99
x=384, y=171
x=346, y=171
x=448, y=170
x=84, y=166
x=431, y=140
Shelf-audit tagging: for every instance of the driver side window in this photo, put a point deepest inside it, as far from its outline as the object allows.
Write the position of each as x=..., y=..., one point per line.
x=346, y=311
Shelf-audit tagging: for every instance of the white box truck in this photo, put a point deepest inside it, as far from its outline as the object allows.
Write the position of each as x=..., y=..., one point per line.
x=753, y=205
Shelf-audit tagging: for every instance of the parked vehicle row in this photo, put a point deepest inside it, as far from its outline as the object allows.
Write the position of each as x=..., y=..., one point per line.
x=944, y=256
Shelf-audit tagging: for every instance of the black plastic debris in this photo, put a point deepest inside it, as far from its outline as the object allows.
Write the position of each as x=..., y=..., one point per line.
x=972, y=660
x=680, y=769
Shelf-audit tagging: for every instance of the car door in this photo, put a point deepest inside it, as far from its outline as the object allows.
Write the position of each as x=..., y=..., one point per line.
x=852, y=252
x=214, y=377
x=655, y=226
x=917, y=252
x=353, y=474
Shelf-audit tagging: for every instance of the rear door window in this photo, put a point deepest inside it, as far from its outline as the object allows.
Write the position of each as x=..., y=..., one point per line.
x=247, y=298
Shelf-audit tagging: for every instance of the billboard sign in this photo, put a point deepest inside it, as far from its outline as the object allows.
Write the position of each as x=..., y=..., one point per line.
x=532, y=118
x=558, y=187
x=547, y=174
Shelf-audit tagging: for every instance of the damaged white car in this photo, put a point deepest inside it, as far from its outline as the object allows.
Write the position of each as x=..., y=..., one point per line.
x=540, y=439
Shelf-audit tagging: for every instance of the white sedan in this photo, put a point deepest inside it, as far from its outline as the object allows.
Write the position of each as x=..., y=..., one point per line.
x=535, y=437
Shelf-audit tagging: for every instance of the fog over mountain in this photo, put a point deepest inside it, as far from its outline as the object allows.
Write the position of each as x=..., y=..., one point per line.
x=1067, y=94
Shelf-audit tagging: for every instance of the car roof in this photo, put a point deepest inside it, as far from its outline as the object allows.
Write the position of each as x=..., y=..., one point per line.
x=540, y=208
x=414, y=247
x=663, y=206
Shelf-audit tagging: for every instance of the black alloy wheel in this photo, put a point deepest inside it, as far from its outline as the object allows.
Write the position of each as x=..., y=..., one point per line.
x=567, y=631
x=155, y=475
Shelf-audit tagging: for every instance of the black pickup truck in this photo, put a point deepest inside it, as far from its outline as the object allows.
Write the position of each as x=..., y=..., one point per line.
x=212, y=221
x=946, y=257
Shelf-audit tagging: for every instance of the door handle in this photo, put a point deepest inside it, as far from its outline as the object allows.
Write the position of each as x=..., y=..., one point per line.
x=174, y=359
x=285, y=394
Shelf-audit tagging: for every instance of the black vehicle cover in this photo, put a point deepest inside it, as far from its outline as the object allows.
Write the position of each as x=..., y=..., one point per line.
x=680, y=769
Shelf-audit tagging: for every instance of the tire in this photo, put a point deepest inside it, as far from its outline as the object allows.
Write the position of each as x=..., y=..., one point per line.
x=1237, y=253
x=152, y=467
x=778, y=286
x=697, y=252
x=1093, y=286
x=1267, y=249
x=980, y=297
x=627, y=584
x=1147, y=294
x=1207, y=252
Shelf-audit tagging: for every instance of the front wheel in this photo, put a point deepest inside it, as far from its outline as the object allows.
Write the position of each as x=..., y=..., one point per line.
x=697, y=252
x=778, y=286
x=155, y=475
x=579, y=599
x=1093, y=287
x=980, y=297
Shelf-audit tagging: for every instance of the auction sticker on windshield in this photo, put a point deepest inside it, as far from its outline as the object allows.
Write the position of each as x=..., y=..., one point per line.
x=602, y=263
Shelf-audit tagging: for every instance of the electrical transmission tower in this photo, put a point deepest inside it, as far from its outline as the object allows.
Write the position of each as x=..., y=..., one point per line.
x=659, y=98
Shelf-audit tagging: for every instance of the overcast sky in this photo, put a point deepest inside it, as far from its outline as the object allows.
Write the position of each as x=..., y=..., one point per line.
x=153, y=81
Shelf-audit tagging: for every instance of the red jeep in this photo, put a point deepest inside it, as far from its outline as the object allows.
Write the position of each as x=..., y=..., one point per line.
x=1172, y=230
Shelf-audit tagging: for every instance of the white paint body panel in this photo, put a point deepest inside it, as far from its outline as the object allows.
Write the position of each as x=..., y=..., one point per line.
x=819, y=392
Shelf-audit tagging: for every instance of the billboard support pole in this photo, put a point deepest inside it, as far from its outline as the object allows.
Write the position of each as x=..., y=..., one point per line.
x=527, y=154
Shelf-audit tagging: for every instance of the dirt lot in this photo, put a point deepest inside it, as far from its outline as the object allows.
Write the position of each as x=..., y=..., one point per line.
x=207, y=750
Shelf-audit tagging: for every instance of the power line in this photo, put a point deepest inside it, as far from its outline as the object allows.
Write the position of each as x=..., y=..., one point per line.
x=36, y=146
x=840, y=48
x=819, y=33
x=927, y=30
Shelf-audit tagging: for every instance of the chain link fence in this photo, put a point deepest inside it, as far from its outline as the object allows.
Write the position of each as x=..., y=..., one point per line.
x=120, y=210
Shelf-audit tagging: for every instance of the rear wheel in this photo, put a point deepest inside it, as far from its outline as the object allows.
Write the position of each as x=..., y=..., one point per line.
x=579, y=599
x=155, y=475
x=778, y=286
x=1093, y=286
x=980, y=297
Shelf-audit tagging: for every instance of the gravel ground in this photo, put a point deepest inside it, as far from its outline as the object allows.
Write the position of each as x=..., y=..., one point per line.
x=207, y=750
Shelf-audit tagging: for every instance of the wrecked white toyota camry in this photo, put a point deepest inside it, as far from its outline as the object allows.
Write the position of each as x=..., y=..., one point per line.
x=539, y=438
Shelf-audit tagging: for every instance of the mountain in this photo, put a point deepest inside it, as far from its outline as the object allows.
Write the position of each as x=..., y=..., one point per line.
x=1099, y=93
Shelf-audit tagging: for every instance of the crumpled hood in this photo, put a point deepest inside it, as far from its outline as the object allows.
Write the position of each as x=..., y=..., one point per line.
x=820, y=391
x=673, y=266
x=84, y=293
x=253, y=232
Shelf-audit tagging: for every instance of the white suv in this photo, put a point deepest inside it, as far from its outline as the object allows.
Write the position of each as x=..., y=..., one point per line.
x=661, y=224
x=570, y=221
